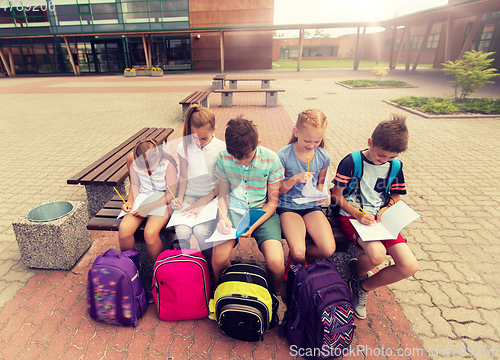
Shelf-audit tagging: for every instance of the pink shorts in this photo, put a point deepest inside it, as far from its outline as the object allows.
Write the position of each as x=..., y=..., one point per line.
x=351, y=233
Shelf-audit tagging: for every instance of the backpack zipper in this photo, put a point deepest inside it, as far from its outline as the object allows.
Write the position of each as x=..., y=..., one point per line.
x=243, y=308
x=246, y=298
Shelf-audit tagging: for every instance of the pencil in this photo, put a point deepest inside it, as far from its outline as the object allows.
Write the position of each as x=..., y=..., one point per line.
x=121, y=197
x=173, y=195
x=307, y=164
x=360, y=208
x=222, y=215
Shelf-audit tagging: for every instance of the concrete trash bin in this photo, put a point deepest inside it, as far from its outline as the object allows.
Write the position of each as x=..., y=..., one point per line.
x=53, y=235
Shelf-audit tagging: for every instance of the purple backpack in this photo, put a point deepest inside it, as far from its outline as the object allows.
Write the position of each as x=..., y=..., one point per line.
x=115, y=293
x=319, y=315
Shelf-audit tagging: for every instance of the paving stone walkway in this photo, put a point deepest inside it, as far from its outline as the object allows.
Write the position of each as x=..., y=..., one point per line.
x=53, y=127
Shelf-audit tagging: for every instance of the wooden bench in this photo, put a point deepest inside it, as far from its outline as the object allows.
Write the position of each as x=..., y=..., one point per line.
x=200, y=97
x=227, y=96
x=111, y=170
x=265, y=83
x=218, y=81
x=105, y=220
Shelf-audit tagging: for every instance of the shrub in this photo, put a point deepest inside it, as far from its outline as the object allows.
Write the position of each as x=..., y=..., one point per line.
x=472, y=72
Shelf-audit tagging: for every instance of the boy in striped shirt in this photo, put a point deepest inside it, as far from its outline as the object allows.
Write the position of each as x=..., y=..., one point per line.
x=249, y=178
x=389, y=139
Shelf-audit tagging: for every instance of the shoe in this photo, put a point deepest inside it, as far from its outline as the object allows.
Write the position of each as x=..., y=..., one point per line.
x=287, y=268
x=359, y=298
x=352, y=265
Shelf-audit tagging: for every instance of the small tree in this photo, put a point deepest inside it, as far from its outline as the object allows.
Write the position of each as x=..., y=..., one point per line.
x=472, y=72
x=378, y=73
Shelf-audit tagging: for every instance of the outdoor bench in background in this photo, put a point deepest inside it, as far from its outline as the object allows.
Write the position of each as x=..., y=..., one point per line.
x=227, y=96
x=218, y=81
x=233, y=83
x=111, y=170
x=200, y=97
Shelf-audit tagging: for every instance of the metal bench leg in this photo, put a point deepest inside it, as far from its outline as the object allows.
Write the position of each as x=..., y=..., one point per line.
x=265, y=84
x=271, y=98
x=233, y=84
x=185, y=107
x=226, y=99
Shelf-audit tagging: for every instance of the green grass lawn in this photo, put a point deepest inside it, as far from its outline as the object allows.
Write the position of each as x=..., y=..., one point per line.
x=343, y=63
x=441, y=106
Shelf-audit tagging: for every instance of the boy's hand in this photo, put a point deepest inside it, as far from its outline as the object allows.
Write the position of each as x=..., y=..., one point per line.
x=247, y=233
x=380, y=212
x=303, y=177
x=365, y=219
x=222, y=227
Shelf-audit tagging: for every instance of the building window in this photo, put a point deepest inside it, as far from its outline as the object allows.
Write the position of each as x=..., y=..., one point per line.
x=416, y=42
x=485, y=39
x=432, y=42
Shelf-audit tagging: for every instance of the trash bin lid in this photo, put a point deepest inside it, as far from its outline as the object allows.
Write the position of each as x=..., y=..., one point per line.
x=50, y=211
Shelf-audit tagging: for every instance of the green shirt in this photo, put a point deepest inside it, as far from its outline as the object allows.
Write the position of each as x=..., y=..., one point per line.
x=249, y=184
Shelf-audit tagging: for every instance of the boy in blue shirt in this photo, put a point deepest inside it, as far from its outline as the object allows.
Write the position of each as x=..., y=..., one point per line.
x=389, y=139
x=249, y=178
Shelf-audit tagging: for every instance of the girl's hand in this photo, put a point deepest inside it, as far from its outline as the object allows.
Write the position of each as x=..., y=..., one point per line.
x=174, y=204
x=222, y=227
x=126, y=208
x=365, y=219
x=193, y=209
x=143, y=210
x=303, y=177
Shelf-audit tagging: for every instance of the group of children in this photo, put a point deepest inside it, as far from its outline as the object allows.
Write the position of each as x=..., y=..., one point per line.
x=245, y=175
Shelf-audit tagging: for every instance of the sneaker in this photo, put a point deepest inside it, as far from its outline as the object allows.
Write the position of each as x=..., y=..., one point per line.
x=359, y=298
x=352, y=265
x=287, y=268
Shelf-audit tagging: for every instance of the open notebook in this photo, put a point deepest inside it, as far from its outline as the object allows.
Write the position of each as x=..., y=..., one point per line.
x=392, y=222
x=250, y=217
x=144, y=199
x=209, y=212
x=310, y=193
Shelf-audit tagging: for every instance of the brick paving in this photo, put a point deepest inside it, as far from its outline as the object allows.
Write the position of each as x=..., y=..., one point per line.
x=53, y=127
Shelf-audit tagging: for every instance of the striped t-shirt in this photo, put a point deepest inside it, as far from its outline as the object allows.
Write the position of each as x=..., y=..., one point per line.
x=249, y=183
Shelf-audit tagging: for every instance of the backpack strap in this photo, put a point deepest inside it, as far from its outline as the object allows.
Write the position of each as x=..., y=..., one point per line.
x=356, y=174
x=393, y=173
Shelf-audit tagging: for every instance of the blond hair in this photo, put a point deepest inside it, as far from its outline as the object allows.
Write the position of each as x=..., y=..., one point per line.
x=313, y=118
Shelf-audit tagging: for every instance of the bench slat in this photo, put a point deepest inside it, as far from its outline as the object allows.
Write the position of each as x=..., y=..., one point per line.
x=196, y=96
x=249, y=79
x=75, y=179
x=89, y=178
x=246, y=90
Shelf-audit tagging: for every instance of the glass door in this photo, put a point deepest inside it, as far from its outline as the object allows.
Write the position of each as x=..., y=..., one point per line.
x=108, y=55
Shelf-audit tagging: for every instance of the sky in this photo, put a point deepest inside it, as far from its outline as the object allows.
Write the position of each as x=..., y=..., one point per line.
x=331, y=11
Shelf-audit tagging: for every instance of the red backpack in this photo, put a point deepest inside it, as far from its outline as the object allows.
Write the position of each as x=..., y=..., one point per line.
x=181, y=285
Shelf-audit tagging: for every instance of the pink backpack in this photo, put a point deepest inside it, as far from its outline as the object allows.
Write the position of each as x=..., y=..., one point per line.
x=181, y=285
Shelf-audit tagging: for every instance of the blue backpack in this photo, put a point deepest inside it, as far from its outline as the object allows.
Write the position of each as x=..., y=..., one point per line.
x=353, y=184
x=319, y=322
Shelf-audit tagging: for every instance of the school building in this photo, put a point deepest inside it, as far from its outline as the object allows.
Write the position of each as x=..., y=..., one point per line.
x=107, y=36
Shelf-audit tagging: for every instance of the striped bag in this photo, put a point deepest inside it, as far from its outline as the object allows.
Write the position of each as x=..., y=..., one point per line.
x=319, y=321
